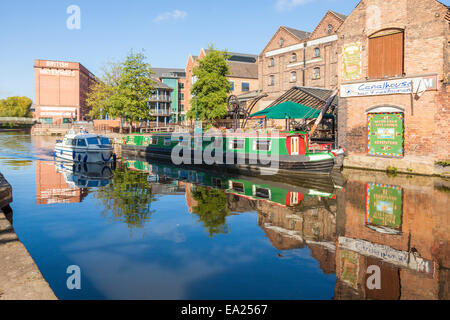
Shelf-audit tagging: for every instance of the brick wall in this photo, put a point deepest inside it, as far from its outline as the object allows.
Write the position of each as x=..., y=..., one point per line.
x=326, y=61
x=426, y=35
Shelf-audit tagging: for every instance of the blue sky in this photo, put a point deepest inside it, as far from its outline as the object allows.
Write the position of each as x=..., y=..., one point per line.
x=168, y=31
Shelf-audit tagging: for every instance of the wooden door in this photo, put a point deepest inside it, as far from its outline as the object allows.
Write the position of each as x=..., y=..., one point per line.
x=386, y=55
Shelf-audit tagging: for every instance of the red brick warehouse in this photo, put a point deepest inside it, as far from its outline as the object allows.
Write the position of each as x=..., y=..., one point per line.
x=60, y=91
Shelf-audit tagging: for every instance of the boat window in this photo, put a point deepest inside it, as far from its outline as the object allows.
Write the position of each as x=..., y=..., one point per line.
x=154, y=140
x=81, y=142
x=217, y=182
x=237, y=144
x=105, y=140
x=261, y=192
x=262, y=145
x=69, y=142
x=92, y=141
x=167, y=141
x=237, y=186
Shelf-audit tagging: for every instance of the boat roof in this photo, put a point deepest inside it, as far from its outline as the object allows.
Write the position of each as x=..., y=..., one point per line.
x=82, y=135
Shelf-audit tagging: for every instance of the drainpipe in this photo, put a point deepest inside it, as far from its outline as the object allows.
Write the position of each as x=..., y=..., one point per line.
x=304, y=64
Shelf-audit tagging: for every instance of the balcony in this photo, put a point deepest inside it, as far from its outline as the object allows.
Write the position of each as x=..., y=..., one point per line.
x=159, y=113
x=160, y=99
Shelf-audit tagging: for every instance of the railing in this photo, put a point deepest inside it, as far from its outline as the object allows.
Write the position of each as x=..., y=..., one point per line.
x=160, y=99
x=88, y=125
x=17, y=120
x=160, y=113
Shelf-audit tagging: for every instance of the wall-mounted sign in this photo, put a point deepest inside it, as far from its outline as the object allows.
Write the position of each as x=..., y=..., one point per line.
x=384, y=207
x=385, y=133
x=396, y=86
x=58, y=72
x=352, y=61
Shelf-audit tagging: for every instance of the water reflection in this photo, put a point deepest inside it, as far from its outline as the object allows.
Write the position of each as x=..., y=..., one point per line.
x=209, y=235
x=66, y=182
x=399, y=224
x=127, y=198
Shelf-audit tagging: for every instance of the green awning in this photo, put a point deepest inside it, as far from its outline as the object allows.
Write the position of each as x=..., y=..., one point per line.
x=288, y=110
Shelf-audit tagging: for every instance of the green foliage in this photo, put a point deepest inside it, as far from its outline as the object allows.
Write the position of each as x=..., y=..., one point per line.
x=127, y=198
x=124, y=90
x=210, y=91
x=212, y=209
x=16, y=107
x=443, y=163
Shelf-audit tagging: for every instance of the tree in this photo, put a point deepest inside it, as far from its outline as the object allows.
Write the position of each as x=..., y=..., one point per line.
x=210, y=91
x=16, y=107
x=124, y=90
x=127, y=198
x=212, y=209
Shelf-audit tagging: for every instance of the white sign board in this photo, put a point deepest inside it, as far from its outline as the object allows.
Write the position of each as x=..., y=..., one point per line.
x=397, y=86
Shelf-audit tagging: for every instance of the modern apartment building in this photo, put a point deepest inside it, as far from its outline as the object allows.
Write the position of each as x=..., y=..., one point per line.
x=298, y=58
x=175, y=79
x=159, y=103
x=243, y=75
x=60, y=91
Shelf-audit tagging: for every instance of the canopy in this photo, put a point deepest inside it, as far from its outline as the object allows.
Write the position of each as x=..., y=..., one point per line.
x=288, y=110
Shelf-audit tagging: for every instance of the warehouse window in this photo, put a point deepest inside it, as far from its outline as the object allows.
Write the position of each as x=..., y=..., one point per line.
x=386, y=54
x=294, y=57
x=272, y=62
x=317, y=52
x=245, y=86
x=271, y=80
x=316, y=74
x=293, y=76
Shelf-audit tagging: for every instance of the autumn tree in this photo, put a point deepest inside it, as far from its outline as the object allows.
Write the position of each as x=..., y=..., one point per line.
x=16, y=107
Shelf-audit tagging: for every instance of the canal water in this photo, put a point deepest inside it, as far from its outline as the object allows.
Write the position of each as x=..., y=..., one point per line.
x=146, y=230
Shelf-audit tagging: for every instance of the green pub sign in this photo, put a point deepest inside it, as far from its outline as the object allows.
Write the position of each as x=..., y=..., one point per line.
x=385, y=133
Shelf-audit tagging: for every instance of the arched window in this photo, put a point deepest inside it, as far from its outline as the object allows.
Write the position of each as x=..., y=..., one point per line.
x=281, y=42
x=271, y=80
x=272, y=62
x=316, y=74
x=293, y=76
x=294, y=57
x=330, y=29
x=317, y=52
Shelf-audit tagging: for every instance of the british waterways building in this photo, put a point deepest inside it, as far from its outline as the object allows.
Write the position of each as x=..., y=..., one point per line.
x=394, y=82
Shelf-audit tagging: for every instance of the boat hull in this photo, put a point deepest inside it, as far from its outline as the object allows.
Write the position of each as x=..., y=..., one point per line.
x=84, y=155
x=233, y=162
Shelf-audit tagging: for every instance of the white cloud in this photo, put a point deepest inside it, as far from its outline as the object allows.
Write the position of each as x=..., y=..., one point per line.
x=174, y=15
x=282, y=5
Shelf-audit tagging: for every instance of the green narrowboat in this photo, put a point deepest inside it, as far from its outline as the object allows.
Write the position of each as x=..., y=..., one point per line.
x=283, y=150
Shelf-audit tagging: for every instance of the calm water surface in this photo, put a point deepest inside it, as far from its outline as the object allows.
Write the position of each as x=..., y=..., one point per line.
x=154, y=231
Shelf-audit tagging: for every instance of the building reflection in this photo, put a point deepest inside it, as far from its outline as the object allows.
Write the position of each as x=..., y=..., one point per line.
x=399, y=224
x=52, y=187
x=67, y=182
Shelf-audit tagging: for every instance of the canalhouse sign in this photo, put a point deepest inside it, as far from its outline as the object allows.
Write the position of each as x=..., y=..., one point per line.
x=397, y=86
x=385, y=253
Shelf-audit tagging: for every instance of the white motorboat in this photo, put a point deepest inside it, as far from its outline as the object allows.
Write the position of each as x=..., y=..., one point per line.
x=85, y=147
